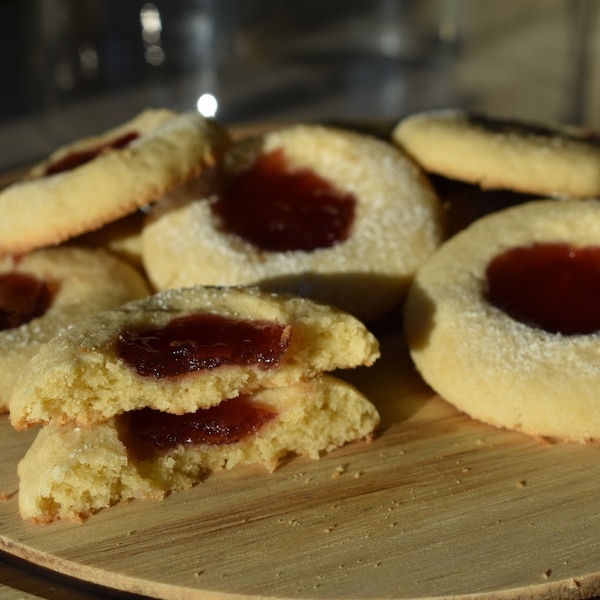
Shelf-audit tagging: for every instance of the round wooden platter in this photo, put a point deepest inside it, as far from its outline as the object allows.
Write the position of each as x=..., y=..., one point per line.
x=437, y=506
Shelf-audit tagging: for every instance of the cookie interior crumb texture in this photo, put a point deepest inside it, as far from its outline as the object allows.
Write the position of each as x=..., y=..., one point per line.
x=77, y=376
x=71, y=472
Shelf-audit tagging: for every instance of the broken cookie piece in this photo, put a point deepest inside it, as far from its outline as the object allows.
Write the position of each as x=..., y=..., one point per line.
x=181, y=350
x=71, y=472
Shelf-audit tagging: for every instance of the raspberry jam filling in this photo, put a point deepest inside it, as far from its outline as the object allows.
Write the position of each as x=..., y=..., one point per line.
x=148, y=432
x=22, y=298
x=202, y=341
x=81, y=157
x=277, y=209
x=552, y=286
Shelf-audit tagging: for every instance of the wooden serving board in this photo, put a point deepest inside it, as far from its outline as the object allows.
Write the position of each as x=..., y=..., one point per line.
x=436, y=506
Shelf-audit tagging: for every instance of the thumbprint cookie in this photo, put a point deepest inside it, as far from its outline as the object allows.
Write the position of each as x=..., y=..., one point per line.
x=184, y=349
x=332, y=215
x=99, y=179
x=48, y=290
x=503, y=322
x=71, y=472
x=500, y=153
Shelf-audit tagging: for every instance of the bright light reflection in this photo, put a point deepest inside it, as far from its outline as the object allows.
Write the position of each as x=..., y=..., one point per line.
x=151, y=22
x=207, y=105
x=88, y=57
x=154, y=55
x=151, y=34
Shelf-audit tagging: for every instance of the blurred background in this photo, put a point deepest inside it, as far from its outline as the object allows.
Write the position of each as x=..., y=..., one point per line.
x=76, y=67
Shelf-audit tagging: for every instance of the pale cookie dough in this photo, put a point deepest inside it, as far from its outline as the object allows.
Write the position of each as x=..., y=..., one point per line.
x=81, y=282
x=544, y=160
x=489, y=365
x=398, y=222
x=78, y=375
x=41, y=210
x=72, y=472
x=122, y=237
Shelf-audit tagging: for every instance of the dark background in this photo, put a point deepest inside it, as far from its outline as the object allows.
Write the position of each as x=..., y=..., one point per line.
x=74, y=67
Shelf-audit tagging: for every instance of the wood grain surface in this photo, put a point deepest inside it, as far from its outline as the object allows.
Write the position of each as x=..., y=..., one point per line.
x=437, y=506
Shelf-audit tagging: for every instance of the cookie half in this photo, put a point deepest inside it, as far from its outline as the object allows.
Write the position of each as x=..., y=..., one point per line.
x=185, y=349
x=502, y=321
x=332, y=215
x=71, y=472
x=47, y=291
x=100, y=179
x=499, y=153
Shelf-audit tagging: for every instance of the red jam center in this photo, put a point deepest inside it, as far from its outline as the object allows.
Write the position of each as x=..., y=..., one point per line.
x=22, y=298
x=555, y=287
x=147, y=432
x=80, y=157
x=277, y=209
x=202, y=341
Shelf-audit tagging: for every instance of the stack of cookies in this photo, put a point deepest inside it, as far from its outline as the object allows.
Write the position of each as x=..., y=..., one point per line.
x=147, y=398
x=166, y=371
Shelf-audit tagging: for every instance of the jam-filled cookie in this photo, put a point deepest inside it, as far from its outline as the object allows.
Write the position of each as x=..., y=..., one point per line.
x=332, y=215
x=181, y=350
x=499, y=153
x=48, y=290
x=72, y=472
x=503, y=322
x=100, y=179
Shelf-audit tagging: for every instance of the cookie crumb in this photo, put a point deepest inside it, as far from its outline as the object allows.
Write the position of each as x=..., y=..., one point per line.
x=339, y=470
x=547, y=573
x=574, y=584
x=521, y=483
